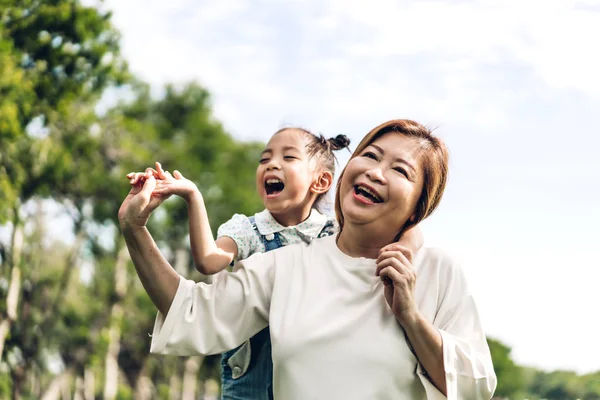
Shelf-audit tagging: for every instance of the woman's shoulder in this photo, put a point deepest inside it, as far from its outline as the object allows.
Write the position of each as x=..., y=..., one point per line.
x=434, y=259
x=433, y=255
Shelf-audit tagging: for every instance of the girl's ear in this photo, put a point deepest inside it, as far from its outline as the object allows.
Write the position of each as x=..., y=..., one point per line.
x=323, y=183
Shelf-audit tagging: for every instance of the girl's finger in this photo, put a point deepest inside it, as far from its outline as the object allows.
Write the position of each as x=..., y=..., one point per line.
x=395, y=254
x=177, y=174
x=398, y=247
x=151, y=172
x=161, y=172
x=137, y=177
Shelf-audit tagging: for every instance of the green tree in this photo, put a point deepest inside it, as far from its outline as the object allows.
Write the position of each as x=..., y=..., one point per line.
x=509, y=374
x=56, y=58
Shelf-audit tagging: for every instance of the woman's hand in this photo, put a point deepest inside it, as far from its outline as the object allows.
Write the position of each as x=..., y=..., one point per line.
x=139, y=203
x=398, y=277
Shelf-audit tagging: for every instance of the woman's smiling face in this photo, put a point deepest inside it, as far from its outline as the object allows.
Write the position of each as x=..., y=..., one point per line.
x=381, y=186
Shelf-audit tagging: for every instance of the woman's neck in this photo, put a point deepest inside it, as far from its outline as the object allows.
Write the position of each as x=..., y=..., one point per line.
x=358, y=241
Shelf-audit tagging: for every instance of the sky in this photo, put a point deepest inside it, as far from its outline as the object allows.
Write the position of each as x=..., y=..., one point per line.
x=512, y=87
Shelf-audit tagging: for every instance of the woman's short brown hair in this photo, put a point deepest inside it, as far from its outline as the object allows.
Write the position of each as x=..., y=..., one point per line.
x=434, y=160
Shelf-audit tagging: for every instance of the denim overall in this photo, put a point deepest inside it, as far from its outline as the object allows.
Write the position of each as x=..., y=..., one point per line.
x=247, y=371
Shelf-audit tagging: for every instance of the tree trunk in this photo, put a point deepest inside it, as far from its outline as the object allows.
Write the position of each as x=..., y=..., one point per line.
x=65, y=386
x=79, y=388
x=59, y=387
x=181, y=264
x=80, y=238
x=89, y=384
x=210, y=390
x=35, y=377
x=143, y=387
x=14, y=288
x=174, y=387
x=190, y=377
x=111, y=370
x=53, y=391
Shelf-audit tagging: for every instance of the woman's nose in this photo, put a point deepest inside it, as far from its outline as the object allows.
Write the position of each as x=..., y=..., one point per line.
x=376, y=175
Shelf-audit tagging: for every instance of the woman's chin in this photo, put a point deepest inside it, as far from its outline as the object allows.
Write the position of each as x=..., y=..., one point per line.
x=356, y=217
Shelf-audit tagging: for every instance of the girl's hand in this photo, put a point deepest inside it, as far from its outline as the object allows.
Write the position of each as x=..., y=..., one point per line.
x=174, y=184
x=398, y=277
x=138, y=178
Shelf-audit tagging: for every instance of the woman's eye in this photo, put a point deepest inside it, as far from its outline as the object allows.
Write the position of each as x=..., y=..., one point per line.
x=368, y=154
x=402, y=171
x=289, y=157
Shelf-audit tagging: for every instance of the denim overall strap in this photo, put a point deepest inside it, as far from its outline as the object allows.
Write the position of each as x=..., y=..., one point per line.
x=247, y=371
x=328, y=229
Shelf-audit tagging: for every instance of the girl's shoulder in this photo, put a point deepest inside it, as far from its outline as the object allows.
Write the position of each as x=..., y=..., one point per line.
x=239, y=227
x=238, y=222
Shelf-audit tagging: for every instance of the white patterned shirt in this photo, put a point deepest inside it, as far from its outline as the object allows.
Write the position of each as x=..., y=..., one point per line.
x=239, y=228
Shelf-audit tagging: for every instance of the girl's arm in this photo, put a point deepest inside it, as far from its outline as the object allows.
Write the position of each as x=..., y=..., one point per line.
x=210, y=256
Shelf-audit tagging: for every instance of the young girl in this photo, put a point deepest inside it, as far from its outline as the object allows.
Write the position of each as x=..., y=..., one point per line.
x=295, y=171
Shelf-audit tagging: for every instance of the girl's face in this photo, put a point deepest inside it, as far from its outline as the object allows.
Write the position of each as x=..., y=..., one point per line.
x=286, y=172
x=381, y=186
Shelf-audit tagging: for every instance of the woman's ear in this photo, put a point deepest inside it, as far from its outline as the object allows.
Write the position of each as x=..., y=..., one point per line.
x=323, y=183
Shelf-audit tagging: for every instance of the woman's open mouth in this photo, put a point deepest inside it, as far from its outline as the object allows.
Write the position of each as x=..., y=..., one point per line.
x=366, y=195
x=274, y=187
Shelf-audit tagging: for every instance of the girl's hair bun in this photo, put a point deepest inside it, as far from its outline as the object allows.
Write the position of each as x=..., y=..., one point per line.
x=339, y=142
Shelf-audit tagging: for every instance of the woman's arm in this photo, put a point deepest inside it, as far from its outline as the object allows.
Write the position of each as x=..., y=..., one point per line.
x=452, y=350
x=158, y=277
x=212, y=318
x=156, y=274
x=399, y=279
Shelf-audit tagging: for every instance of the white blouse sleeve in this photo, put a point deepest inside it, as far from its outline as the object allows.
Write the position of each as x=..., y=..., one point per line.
x=213, y=318
x=467, y=359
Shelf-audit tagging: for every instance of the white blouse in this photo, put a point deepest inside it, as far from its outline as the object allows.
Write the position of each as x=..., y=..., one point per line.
x=333, y=334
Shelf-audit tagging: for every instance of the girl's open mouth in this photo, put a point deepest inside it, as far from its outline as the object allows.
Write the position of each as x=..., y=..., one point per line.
x=274, y=187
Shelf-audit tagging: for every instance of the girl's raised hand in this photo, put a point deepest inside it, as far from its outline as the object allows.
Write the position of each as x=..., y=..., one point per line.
x=175, y=184
x=138, y=178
